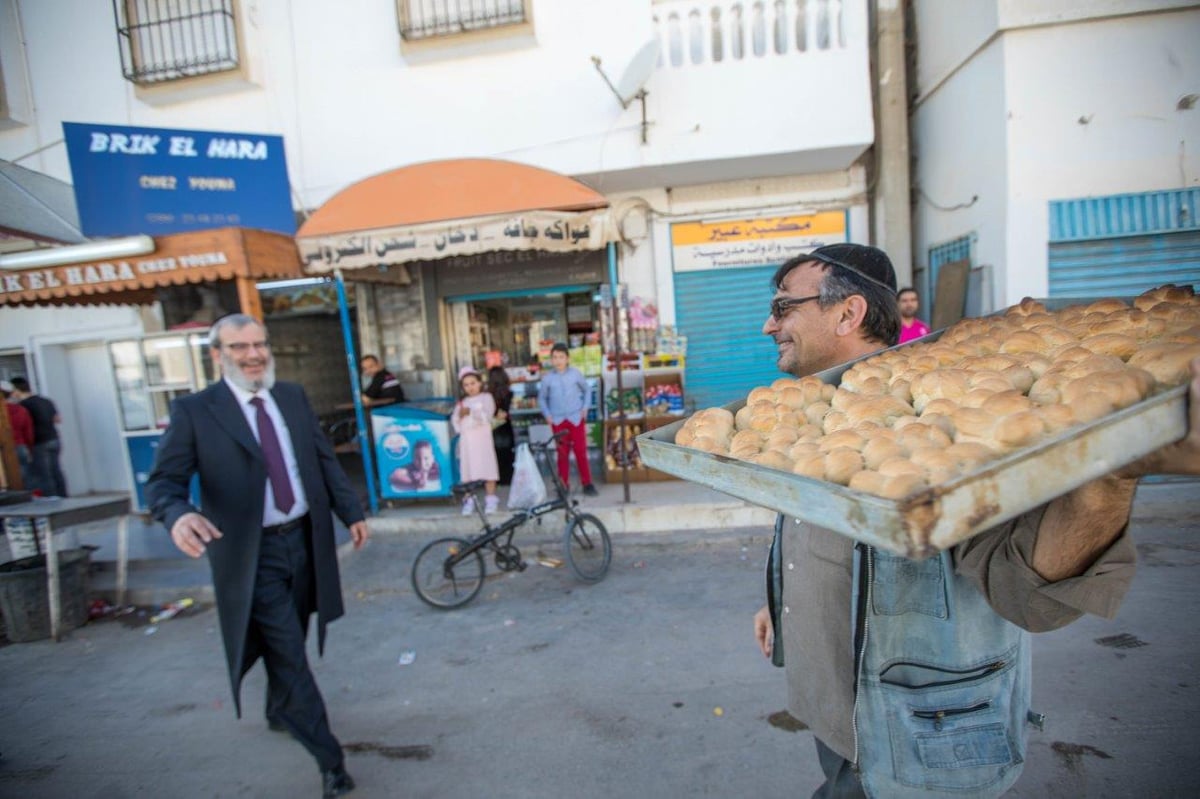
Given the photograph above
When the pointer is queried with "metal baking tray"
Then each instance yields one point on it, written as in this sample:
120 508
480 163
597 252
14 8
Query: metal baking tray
940 516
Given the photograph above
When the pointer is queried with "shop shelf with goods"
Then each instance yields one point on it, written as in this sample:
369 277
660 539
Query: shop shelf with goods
663 386
616 452
629 397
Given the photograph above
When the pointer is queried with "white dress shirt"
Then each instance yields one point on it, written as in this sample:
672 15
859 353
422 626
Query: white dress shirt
271 514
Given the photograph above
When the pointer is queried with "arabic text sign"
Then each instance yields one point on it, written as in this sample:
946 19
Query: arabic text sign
156 180
752 242
550 231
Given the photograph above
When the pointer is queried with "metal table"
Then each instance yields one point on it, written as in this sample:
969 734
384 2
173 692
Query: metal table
64 512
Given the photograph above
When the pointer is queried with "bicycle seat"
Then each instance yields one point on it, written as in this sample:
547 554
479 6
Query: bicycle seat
468 488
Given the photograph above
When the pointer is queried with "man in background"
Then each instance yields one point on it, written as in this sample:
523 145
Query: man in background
910 326
21 424
383 388
44 470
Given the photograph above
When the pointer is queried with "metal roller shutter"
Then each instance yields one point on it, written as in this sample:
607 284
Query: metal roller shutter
1125 244
722 314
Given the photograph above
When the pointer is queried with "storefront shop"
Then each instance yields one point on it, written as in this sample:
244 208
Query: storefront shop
499 260
113 387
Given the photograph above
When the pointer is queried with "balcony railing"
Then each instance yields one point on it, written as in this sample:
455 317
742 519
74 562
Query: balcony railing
692 32
425 19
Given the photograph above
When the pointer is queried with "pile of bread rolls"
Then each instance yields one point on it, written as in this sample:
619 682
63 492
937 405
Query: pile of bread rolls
925 413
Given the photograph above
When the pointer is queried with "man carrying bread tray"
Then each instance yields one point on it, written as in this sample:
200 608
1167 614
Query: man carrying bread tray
914 676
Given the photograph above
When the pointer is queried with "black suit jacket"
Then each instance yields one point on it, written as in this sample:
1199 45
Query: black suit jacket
209 436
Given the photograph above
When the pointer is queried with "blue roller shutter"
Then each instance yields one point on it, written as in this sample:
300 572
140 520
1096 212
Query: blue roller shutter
722 314
1124 244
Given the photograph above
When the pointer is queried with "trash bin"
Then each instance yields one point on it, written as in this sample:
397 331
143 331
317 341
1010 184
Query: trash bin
25 599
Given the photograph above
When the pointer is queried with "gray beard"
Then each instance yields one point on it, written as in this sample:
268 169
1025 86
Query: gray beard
234 375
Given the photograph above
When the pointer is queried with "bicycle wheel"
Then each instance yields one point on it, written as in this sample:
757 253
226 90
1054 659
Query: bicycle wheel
587 547
444 586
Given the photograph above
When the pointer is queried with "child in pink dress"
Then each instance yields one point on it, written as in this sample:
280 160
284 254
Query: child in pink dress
472 420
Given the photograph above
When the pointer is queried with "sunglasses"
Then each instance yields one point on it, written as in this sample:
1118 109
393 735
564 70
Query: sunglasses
781 305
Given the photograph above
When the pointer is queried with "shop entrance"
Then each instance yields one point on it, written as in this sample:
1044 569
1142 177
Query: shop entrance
517 329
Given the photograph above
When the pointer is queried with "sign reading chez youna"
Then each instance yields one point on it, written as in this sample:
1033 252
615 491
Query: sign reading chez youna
131 180
119 274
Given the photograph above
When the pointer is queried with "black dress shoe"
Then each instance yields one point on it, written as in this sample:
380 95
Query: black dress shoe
590 490
275 725
336 782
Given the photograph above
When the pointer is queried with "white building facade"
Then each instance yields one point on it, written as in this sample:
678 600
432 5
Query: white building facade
753 112
1058 146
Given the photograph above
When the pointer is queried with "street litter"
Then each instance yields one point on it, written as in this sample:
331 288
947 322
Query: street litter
406 658
509 622
150 631
98 609
172 610
549 562
718 712
641 564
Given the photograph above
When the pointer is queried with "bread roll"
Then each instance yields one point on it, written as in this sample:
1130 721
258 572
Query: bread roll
879 450
1018 430
815 412
1168 364
841 464
772 460
841 438
1055 417
969 455
810 466
1006 402
834 421
1024 341
1116 344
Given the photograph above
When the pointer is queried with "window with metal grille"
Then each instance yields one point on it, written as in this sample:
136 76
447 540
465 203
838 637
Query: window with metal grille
164 40
426 19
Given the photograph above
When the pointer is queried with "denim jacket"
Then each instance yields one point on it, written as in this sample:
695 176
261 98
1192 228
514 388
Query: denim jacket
943 685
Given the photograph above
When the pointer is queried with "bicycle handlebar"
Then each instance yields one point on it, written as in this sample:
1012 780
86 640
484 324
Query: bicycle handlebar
554 439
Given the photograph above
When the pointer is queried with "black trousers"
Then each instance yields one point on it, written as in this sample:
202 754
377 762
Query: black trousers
282 589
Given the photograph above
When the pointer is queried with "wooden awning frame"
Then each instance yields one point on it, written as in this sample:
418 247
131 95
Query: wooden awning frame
205 256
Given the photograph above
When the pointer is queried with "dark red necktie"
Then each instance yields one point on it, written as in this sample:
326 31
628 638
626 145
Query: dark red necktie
281 486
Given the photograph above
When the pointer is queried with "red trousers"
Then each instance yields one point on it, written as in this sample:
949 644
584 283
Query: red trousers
577 442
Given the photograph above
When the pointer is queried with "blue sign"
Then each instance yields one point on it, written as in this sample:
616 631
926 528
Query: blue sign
412 452
156 180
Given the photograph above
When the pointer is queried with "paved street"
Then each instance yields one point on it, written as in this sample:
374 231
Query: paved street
644 685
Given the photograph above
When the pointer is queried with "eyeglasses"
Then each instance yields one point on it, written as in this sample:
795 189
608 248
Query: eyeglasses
239 347
781 305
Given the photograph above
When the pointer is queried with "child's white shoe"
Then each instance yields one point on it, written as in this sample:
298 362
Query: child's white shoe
491 504
468 506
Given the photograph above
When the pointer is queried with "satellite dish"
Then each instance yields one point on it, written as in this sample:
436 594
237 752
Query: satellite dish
631 85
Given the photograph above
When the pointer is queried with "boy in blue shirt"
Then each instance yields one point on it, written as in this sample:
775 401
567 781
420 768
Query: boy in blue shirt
564 398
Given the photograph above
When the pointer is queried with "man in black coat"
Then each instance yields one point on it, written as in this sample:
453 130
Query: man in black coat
269 481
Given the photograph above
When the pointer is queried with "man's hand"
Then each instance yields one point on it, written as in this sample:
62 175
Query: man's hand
359 534
191 532
1182 457
763 632
1079 526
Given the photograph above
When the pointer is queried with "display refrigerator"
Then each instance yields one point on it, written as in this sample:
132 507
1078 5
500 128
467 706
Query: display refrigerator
149 372
413 447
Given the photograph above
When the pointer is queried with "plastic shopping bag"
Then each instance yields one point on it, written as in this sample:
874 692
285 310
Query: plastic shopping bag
528 487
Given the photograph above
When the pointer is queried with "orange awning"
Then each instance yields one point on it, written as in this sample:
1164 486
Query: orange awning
441 209
440 191
204 256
